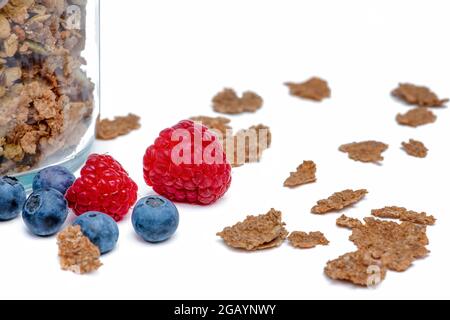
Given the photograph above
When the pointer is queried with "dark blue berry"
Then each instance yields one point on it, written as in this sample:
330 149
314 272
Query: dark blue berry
45 212
155 219
12 198
57 177
100 228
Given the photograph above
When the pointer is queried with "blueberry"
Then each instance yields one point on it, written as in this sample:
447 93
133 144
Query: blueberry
45 212
100 228
56 177
155 219
12 198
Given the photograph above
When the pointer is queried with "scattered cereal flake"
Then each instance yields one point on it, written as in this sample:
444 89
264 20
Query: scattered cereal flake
247 146
404 214
418 95
120 126
228 102
396 245
339 201
76 252
416 117
315 89
218 124
306 173
347 222
415 148
357 267
303 240
367 151
256 232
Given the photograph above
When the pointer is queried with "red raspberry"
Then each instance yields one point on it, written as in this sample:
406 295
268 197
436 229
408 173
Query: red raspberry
103 186
198 180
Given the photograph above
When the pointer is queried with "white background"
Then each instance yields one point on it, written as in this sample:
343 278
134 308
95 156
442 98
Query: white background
164 60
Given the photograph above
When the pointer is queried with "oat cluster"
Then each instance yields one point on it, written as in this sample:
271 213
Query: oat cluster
405 215
76 252
119 126
339 201
367 151
418 95
303 240
315 89
46 98
228 102
416 117
306 173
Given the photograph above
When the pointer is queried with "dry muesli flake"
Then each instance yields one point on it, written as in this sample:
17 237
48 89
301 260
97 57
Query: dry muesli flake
218 124
358 268
306 173
347 222
248 146
315 89
416 117
303 240
418 95
119 126
228 102
396 245
76 252
256 232
415 148
404 214
367 151
339 201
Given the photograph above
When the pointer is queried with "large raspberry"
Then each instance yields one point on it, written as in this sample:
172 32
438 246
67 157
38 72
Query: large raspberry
104 186
179 165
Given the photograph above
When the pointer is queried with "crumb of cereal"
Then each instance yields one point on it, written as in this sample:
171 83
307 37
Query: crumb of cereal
418 95
306 173
339 201
315 89
218 124
303 240
228 102
358 268
76 252
256 232
347 222
404 214
396 245
415 148
120 126
367 151
416 117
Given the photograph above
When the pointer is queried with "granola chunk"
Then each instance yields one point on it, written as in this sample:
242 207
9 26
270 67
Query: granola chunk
315 89
347 222
218 124
306 173
76 252
416 117
358 268
418 95
256 232
228 102
367 151
404 214
303 240
339 201
415 148
120 126
396 245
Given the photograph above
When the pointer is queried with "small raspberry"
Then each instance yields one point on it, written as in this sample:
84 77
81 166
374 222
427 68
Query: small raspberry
201 178
103 186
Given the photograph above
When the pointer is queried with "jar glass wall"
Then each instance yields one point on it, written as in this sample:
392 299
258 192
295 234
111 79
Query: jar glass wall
49 84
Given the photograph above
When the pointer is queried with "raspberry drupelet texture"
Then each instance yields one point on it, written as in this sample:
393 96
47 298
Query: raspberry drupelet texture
103 186
199 180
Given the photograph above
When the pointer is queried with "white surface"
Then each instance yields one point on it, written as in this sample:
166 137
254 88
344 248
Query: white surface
165 60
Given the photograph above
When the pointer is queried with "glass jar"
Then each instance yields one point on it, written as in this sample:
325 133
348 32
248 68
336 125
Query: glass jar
49 77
